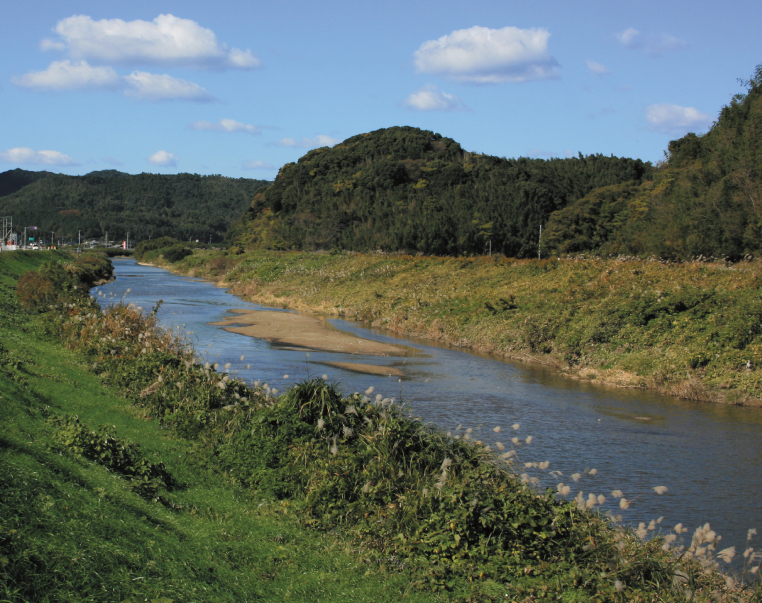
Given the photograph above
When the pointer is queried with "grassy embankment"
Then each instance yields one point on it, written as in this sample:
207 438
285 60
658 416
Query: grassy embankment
209 508
88 517
683 329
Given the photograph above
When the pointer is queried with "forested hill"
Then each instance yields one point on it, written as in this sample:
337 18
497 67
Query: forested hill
705 200
145 205
403 188
14 180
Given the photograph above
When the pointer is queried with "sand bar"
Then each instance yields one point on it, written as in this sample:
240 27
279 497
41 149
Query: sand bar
369 369
303 332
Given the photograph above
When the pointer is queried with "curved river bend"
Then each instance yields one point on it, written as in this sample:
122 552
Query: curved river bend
708 456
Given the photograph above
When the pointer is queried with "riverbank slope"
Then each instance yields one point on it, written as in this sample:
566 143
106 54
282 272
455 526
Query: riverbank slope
100 503
684 329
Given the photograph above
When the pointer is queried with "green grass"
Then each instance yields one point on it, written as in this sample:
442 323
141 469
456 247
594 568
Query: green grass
71 530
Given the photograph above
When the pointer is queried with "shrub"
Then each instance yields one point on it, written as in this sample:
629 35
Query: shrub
177 253
118 455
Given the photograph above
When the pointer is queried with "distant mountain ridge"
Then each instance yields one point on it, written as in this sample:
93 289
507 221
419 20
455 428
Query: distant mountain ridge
184 206
14 180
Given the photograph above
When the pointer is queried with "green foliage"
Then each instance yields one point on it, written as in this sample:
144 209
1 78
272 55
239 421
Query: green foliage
77 531
154 244
408 189
62 282
705 200
147 479
175 254
14 180
185 206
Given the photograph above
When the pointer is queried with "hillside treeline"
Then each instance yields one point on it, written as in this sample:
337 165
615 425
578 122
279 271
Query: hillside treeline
706 199
403 188
184 206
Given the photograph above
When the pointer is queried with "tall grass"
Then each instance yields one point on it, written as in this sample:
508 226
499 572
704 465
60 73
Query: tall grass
456 515
78 521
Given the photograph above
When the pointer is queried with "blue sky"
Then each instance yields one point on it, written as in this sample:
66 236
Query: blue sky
241 88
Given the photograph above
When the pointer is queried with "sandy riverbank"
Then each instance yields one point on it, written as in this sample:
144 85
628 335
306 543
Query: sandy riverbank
297 331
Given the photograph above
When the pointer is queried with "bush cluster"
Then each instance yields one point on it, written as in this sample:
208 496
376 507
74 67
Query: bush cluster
55 281
105 448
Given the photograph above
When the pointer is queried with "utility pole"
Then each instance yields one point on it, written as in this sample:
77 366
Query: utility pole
79 241
539 243
7 230
210 239
53 238
127 242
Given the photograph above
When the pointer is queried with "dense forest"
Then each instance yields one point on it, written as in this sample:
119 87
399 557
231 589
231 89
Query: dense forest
184 206
706 199
403 188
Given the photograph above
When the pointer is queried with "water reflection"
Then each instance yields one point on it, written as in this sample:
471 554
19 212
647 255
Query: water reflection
708 456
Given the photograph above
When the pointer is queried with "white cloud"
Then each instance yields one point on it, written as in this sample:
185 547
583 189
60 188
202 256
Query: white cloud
480 55
226 125
429 98
168 41
163 159
65 75
321 140
27 156
257 165
154 87
597 68
674 119
652 44
630 37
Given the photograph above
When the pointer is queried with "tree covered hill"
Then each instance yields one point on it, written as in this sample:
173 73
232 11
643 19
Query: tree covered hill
706 199
14 180
145 205
403 188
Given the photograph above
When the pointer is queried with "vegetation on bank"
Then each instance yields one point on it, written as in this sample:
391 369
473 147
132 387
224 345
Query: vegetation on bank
693 330
147 206
422 511
100 503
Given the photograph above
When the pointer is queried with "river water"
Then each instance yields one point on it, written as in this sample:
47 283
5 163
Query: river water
708 456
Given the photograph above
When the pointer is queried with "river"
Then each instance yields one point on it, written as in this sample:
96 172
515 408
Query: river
708 456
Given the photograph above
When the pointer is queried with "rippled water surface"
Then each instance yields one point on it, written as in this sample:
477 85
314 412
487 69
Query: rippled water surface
709 457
